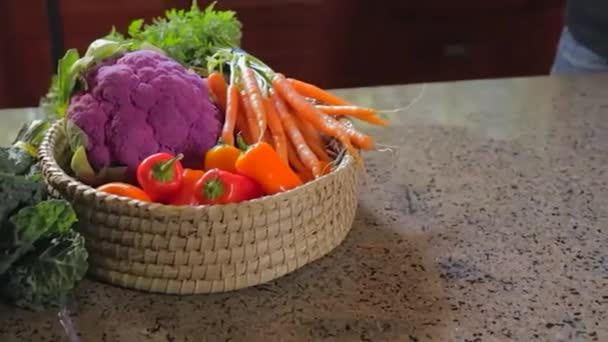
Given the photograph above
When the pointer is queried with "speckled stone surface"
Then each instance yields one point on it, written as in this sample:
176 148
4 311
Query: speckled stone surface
483 218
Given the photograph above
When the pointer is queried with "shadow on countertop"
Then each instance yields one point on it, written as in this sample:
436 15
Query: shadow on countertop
376 286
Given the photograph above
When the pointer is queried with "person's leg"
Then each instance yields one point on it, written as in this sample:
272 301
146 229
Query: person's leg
572 57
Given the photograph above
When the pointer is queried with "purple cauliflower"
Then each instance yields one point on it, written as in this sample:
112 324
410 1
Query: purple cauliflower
144 103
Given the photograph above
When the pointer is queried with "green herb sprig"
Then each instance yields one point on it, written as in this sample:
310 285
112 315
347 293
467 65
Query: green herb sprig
190 36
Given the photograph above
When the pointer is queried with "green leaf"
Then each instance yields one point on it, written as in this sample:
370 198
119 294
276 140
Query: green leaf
30 136
32 223
18 192
47 217
15 160
135 27
32 132
71 68
54 103
75 135
22 155
43 279
82 169
65 78
190 36
101 49
114 35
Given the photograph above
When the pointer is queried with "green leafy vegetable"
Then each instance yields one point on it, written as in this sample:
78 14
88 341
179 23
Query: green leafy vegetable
44 278
15 160
56 101
21 156
189 36
30 224
135 27
66 78
41 256
18 192
76 136
32 133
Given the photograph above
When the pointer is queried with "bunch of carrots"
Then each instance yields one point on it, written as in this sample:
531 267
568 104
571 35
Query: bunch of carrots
294 117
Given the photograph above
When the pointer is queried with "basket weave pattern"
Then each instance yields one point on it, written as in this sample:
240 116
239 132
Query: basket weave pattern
204 249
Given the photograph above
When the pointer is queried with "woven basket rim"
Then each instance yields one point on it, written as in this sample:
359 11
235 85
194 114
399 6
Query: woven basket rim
51 166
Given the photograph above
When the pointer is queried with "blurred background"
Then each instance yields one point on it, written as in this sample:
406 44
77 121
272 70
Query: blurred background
333 43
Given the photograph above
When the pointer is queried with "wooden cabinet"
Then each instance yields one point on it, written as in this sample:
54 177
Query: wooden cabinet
28 62
4 89
25 62
299 37
334 43
451 8
464 40
85 20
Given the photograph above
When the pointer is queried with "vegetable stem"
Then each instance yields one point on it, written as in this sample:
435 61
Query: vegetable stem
213 188
240 142
164 170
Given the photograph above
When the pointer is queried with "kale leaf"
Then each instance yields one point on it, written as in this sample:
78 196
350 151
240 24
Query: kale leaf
43 279
18 192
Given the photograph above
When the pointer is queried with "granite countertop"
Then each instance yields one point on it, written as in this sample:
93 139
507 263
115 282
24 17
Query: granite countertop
482 219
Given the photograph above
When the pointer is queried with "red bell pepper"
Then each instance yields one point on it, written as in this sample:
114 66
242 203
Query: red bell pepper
222 187
160 175
185 195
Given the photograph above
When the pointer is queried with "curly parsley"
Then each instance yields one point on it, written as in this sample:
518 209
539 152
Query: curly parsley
190 37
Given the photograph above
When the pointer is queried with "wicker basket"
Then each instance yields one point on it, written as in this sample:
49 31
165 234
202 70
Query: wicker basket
204 249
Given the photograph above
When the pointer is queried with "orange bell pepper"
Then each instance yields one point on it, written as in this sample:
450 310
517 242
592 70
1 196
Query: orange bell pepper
264 165
222 157
125 190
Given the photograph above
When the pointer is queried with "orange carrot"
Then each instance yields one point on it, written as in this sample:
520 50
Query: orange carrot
361 113
232 109
218 88
242 123
308 112
276 130
305 154
295 162
243 129
362 141
254 96
267 138
314 140
325 167
314 92
249 114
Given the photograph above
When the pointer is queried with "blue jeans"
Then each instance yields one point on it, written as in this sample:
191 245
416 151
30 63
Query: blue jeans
573 58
